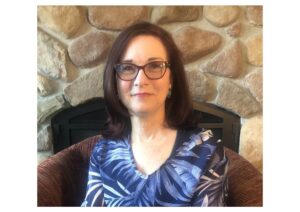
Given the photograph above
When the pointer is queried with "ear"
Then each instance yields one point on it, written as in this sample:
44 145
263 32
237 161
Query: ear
171 81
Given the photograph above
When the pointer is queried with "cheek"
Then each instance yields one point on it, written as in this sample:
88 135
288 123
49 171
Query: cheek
166 85
123 88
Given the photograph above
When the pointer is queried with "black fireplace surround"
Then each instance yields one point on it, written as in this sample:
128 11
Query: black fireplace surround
74 124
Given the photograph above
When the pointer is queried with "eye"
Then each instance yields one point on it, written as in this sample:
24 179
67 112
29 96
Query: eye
127 68
155 65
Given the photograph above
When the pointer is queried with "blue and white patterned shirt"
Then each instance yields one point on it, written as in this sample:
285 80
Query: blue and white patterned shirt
193 175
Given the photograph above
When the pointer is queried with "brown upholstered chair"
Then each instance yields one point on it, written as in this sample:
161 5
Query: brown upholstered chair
62 178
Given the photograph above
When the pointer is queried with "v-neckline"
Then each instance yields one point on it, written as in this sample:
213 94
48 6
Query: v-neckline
134 164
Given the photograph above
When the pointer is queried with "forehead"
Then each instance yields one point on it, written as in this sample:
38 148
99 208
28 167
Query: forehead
143 47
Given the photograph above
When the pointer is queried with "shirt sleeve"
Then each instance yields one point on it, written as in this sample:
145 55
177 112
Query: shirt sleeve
94 191
213 184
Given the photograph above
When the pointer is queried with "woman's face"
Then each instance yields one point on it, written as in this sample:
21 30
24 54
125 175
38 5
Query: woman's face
143 96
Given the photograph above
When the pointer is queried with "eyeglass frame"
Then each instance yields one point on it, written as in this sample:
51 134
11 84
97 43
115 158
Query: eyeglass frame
166 64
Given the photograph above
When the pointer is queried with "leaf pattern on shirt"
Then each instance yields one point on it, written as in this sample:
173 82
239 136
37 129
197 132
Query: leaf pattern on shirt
183 180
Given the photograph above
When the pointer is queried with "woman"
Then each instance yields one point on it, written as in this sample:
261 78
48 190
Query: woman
152 153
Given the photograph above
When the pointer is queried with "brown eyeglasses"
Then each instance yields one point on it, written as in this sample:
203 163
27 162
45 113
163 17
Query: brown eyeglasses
153 70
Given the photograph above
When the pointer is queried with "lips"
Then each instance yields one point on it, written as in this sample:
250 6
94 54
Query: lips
142 94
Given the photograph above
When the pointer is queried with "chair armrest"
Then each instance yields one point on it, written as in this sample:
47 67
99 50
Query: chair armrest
62 177
245 181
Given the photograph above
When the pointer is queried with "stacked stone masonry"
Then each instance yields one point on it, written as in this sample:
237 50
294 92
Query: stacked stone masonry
221 48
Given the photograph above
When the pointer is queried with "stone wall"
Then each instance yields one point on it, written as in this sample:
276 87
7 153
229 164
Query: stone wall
221 45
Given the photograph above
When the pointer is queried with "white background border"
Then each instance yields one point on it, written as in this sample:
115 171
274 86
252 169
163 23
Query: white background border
19 94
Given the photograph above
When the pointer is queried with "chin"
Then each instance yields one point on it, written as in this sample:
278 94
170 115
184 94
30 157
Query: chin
141 111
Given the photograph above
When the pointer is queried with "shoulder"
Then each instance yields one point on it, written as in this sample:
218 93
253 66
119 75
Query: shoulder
208 142
202 135
211 139
101 143
104 145
205 143
199 147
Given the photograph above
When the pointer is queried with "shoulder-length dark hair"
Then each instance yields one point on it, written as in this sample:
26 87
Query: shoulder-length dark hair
178 106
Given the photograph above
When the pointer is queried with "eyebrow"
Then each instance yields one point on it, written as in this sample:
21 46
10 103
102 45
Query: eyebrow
149 59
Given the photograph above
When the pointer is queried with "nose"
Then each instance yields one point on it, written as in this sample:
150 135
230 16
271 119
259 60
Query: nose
141 78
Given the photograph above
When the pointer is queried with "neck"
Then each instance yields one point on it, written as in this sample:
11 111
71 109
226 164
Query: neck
146 129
